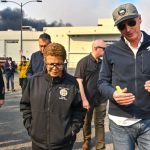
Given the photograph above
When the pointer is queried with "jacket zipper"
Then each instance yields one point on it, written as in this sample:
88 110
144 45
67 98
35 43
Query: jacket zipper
135 76
48 114
135 69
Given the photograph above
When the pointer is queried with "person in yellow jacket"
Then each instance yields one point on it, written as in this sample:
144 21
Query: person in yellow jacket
22 68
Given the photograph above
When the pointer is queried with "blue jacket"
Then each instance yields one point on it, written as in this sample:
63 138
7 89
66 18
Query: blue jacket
36 64
121 67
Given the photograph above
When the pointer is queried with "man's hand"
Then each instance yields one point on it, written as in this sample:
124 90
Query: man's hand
85 104
1 102
123 98
147 85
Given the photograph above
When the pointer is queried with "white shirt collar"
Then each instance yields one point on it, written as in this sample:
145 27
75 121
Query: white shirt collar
139 44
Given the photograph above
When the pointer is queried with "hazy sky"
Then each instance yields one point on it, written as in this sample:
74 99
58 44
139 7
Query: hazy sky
79 12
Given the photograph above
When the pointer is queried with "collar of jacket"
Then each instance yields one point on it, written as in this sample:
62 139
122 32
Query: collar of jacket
146 38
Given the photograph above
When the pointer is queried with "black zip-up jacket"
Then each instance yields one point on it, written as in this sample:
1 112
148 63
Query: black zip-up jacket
52 109
121 67
2 88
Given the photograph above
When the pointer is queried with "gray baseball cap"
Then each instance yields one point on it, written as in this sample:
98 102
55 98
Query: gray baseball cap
124 12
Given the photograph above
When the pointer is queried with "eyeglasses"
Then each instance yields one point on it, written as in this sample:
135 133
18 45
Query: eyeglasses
58 66
130 23
100 47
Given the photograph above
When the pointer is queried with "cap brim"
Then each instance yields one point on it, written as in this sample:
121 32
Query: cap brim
125 18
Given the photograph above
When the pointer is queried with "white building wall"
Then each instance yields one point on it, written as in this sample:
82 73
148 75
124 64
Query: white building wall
81 45
30 47
76 40
10 43
12 50
2 54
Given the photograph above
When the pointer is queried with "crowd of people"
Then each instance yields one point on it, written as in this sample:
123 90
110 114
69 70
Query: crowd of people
56 105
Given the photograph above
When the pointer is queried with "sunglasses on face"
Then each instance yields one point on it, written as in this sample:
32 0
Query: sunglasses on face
58 66
100 47
130 23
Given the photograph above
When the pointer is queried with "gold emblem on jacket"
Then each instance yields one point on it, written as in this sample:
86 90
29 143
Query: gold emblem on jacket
63 92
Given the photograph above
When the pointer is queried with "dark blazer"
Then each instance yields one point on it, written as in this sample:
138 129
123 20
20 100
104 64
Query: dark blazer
36 64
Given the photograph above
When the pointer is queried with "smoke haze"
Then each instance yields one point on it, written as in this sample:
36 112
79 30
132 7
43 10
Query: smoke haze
79 12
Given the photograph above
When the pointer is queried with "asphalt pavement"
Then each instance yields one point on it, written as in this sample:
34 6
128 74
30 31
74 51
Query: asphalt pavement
13 135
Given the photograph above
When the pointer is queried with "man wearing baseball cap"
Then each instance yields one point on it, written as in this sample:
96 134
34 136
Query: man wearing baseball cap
125 80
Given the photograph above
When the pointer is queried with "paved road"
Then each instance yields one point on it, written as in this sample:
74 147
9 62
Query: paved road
13 136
